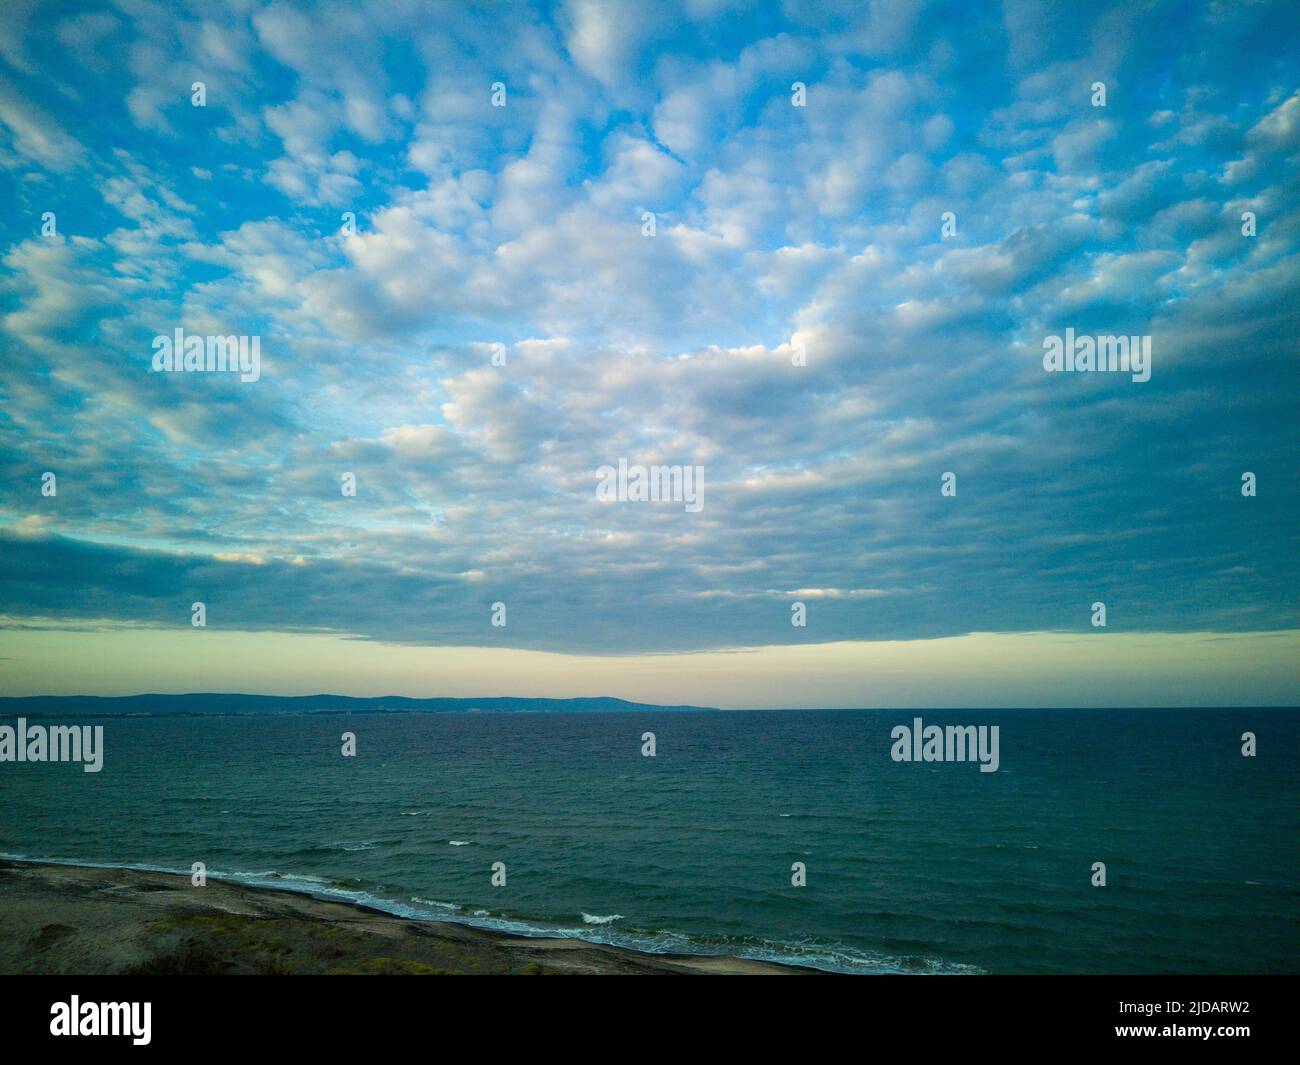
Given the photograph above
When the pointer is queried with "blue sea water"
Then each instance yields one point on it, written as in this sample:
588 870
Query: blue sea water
911 867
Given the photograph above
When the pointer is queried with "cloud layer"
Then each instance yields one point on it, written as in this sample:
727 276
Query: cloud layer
500 325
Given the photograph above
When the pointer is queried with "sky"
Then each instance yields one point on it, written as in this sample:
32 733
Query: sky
812 251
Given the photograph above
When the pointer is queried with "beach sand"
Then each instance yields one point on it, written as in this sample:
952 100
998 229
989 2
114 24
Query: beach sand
80 920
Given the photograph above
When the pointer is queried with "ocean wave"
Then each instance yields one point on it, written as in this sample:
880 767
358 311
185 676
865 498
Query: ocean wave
449 907
810 954
595 918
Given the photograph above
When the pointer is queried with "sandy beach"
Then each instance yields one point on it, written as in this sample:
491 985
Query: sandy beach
65 919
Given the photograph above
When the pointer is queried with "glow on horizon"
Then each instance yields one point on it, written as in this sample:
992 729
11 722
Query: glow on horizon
987 670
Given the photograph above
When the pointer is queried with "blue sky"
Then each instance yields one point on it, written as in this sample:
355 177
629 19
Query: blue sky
778 229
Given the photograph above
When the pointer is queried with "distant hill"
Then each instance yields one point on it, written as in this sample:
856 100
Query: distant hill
215 703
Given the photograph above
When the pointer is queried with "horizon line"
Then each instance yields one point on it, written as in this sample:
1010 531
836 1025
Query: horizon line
651 706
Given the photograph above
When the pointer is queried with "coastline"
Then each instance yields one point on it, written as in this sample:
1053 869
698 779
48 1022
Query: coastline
94 920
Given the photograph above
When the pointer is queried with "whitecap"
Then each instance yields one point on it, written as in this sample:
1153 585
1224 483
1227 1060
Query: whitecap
595 918
434 903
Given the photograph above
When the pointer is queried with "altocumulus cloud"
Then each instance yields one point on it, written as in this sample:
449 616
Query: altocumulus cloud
780 233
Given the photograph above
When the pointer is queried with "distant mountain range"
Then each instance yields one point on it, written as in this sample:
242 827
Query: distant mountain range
215 703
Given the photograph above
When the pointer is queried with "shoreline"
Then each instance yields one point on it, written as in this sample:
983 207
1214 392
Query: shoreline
67 919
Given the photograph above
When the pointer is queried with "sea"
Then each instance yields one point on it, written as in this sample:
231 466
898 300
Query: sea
790 836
